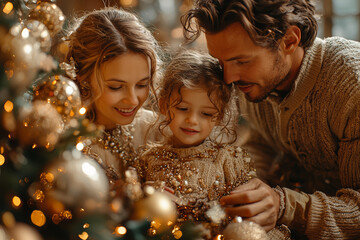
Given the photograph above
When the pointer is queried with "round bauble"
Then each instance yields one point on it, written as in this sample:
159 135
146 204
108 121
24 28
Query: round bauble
50 15
244 231
22 231
76 183
61 92
156 208
39 124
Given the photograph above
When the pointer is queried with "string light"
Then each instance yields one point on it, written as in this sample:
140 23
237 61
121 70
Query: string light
8 7
8 106
38 218
82 111
16 201
2 160
84 236
80 146
120 230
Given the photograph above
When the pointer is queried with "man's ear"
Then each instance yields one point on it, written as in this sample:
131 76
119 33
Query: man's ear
291 39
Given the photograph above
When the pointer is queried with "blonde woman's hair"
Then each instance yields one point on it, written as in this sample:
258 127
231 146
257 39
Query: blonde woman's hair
102 35
193 69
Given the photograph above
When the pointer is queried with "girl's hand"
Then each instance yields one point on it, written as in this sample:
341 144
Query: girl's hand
254 201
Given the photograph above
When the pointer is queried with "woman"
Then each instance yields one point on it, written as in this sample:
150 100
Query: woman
116 61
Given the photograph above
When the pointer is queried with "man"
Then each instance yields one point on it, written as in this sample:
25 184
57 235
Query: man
301 97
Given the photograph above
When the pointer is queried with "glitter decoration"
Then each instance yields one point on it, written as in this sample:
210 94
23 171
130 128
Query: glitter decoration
62 93
244 230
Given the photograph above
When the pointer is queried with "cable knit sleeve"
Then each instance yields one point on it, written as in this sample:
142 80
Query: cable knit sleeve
333 217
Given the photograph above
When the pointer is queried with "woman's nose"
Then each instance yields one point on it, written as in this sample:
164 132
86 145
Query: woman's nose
131 98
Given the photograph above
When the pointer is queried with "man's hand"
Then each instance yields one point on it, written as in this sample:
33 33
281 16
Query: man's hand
254 201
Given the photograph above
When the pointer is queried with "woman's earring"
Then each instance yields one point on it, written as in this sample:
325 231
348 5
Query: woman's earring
85 89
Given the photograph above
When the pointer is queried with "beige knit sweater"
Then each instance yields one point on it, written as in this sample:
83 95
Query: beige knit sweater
316 127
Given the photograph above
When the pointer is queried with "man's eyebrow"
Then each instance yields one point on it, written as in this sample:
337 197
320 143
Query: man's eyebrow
241 56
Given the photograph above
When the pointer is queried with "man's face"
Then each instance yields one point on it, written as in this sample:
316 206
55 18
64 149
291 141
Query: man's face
255 70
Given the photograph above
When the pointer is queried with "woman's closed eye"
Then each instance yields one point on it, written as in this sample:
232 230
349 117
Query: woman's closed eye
115 87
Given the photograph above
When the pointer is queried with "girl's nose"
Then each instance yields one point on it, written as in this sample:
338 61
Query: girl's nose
191 118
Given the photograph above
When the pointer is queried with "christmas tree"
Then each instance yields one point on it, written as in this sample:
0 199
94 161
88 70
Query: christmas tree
48 188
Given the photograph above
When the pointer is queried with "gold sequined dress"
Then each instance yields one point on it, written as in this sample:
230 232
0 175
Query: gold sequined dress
117 148
199 175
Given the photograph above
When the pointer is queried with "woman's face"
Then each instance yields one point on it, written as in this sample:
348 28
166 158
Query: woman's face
126 87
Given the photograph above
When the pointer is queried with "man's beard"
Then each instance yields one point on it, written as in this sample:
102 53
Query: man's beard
281 72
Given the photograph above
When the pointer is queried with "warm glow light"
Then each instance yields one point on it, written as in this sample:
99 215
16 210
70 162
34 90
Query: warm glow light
16 201
219 237
177 234
8 219
49 177
38 218
86 225
84 236
67 214
27 48
2 159
90 171
126 3
8 8
25 33
82 111
80 146
34 146
121 230
8 106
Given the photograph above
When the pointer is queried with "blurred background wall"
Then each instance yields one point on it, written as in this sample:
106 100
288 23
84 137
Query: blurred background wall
336 17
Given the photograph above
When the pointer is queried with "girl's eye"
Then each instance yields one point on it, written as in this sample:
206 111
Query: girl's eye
208 114
143 85
181 108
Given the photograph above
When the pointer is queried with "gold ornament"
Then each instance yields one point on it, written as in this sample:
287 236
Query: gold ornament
157 208
62 93
50 15
40 124
22 231
244 230
21 49
73 184
4 235
40 32
33 3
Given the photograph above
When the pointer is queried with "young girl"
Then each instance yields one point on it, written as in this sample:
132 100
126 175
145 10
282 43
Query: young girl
192 160
195 160
116 61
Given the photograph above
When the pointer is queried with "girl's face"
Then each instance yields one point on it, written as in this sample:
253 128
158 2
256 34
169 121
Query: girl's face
126 88
193 119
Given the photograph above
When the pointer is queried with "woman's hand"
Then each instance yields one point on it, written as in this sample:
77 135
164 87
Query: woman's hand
254 201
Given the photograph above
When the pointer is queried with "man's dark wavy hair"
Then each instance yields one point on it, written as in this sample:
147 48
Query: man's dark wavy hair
266 21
